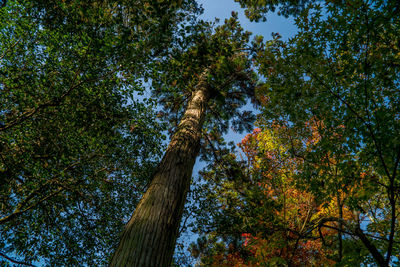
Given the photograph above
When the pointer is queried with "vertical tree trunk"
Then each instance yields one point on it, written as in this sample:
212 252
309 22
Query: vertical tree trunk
150 235
340 238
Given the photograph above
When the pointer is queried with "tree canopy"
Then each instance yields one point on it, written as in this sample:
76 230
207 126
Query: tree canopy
77 144
330 116
90 91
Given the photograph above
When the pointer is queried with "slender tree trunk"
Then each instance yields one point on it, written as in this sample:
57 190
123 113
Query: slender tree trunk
340 238
150 235
380 260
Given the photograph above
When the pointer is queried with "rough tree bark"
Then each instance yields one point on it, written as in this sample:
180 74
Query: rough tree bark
150 235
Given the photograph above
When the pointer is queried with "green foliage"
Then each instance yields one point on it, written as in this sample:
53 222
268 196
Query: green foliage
257 9
78 141
342 70
77 144
223 52
334 90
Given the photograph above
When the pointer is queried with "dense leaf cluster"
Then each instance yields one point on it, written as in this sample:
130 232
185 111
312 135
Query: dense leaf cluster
77 143
334 88
79 139
223 52
257 10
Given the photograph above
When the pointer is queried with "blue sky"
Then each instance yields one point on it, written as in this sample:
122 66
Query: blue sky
222 9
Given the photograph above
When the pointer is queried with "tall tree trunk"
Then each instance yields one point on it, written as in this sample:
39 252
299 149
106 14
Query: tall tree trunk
340 238
150 235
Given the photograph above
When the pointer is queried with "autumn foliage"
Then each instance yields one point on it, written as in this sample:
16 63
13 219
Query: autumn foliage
291 225
296 242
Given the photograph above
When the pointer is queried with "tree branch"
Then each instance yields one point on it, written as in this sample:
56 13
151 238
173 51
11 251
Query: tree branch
15 261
